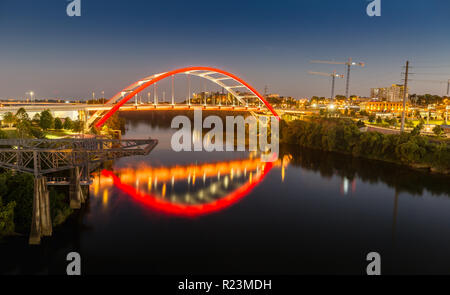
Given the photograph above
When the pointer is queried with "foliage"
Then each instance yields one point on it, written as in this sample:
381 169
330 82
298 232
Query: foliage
68 123
9 118
364 113
6 218
58 124
36 132
343 135
426 99
409 123
77 126
46 120
22 115
18 188
392 121
360 124
379 120
438 130
59 207
36 118
115 123
3 134
417 129
17 191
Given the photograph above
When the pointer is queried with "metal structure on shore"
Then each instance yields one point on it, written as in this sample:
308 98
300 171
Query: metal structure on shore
78 156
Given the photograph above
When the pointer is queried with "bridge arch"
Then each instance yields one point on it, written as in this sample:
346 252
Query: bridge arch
189 210
214 75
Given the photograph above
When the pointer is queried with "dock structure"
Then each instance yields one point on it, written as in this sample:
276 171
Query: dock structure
40 157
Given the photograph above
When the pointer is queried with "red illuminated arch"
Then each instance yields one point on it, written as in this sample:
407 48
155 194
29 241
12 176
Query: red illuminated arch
167 207
140 85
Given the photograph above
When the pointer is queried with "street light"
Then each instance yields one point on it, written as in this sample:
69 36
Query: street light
31 93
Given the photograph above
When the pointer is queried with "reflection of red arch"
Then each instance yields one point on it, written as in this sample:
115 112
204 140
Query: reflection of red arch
189 210
162 76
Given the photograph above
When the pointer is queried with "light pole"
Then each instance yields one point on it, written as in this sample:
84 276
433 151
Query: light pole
31 93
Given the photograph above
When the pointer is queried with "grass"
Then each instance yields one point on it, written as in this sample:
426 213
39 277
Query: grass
55 134
50 134
10 132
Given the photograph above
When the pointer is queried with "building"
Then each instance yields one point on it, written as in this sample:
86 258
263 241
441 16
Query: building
272 95
384 106
392 94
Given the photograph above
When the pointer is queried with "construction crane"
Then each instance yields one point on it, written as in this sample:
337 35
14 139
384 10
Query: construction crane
348 63
333 77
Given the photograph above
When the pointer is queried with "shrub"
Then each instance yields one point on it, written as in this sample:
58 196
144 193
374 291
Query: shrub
58 124
6 218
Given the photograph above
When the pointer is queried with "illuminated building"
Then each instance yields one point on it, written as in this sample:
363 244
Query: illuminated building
391 94
385 106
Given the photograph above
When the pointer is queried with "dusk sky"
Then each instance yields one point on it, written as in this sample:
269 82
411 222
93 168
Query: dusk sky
114 43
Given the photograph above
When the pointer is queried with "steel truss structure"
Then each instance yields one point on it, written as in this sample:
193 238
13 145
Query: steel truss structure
43 156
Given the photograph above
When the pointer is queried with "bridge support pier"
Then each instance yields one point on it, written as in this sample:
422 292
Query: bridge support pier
75 192
41 223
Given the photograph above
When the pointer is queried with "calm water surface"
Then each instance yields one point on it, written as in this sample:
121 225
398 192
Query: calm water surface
311 212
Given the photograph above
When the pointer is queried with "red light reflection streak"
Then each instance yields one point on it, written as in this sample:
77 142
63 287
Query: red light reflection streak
165 206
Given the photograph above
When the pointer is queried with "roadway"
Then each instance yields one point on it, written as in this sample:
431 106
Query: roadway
39 107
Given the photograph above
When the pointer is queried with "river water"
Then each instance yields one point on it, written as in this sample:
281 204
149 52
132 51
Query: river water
228 213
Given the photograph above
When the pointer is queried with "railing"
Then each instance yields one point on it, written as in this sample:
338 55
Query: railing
42 156
65 181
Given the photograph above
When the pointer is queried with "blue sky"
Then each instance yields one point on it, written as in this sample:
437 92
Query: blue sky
269 43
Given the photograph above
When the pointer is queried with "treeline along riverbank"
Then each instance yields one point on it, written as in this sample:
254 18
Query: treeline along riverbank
345 136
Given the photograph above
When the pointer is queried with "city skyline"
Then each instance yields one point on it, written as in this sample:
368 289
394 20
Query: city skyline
115 43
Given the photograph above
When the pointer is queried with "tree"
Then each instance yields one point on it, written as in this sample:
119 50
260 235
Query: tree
77 126
46 120
68 123
416 130
116 123
7 218
393 121
22 115
371 118
438 130
379 120
409 123
24 128
363 113
58 124
10 119
360 124
346 112
36 118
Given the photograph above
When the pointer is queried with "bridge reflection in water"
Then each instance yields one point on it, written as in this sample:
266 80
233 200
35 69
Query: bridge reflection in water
190 190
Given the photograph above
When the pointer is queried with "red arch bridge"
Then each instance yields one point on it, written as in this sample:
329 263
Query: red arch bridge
245 96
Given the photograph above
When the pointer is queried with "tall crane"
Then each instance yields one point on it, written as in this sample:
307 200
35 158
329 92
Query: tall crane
333 77
348 63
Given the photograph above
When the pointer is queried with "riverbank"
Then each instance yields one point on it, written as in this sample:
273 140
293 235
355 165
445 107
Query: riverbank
16 204
17 189
344 136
